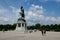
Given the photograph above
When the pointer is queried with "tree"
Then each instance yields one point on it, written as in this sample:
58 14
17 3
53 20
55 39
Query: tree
47 27
51 27
37 26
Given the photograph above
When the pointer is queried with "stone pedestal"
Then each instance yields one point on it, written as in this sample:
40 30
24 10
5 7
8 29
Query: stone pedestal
21 25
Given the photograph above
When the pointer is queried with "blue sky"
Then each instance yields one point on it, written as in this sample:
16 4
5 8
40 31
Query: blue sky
36 11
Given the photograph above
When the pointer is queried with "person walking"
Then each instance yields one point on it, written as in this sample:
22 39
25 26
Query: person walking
43 31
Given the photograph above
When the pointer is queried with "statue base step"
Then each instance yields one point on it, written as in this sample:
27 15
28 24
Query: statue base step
20 29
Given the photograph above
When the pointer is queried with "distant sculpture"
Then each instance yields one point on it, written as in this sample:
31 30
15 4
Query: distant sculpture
22 12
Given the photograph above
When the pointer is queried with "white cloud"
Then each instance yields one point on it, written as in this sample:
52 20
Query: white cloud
53 19
15 11
43 0
49 0
36 9
26 0
4 19
57 0
33 16
8 16
3 11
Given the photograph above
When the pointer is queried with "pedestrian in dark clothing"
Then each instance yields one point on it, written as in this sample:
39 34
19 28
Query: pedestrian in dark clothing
43 31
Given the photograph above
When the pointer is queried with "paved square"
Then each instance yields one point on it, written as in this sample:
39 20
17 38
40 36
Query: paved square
17 35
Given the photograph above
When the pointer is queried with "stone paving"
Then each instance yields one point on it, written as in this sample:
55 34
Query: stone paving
17 35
